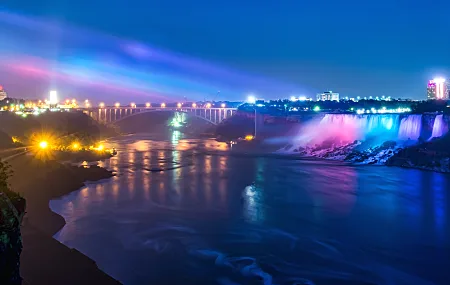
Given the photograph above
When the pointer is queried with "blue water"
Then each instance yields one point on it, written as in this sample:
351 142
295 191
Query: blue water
220 217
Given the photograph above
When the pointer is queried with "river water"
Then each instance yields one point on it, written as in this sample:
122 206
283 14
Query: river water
215 216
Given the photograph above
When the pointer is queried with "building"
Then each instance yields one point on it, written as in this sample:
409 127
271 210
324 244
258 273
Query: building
328 96
437 88
3 94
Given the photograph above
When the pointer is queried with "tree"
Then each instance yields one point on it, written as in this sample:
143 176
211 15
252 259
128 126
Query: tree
12 209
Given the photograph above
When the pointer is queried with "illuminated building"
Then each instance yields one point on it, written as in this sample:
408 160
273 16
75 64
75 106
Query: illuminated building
328 96
437 89
3 94
53 100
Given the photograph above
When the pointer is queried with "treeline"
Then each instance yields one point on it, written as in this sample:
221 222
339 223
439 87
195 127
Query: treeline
57 125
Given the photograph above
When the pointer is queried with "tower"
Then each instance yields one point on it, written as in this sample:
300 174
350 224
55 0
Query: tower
437 89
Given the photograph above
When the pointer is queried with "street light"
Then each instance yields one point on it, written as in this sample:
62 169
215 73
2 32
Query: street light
208 105
147 105
251 99
222 105
117 105
133 105
179 105
194 105
163 105
101 105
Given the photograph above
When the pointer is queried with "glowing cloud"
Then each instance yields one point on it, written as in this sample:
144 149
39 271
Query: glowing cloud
86 64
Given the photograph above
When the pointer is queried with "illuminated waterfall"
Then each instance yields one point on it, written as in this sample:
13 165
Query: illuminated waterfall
373 129
410 127
346 128
439 127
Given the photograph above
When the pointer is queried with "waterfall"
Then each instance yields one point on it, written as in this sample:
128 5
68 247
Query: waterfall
439 127
410 127
346 128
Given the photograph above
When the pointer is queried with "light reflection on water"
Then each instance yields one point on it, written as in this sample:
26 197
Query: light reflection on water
183 211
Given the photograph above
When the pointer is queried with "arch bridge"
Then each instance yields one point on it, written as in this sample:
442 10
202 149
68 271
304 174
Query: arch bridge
110 115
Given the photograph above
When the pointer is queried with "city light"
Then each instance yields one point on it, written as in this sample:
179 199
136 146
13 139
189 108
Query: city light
316 108
163 105
222 105
293 98
53 97
440 88
194 105
383 110
251 99
302 98
148 105
117 105
75 146
179 105
101 105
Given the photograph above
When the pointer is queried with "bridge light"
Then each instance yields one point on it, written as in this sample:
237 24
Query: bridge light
133 105
222 105
208 105
117 105
101 105
179 105
194 105
148 105
163 105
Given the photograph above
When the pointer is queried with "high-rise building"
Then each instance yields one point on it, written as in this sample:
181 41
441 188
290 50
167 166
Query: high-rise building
3 94
328 96
437 89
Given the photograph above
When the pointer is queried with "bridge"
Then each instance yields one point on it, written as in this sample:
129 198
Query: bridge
110 115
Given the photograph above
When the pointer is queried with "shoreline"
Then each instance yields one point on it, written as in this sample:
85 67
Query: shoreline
44 260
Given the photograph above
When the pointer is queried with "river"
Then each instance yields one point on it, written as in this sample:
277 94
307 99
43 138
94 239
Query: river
215 216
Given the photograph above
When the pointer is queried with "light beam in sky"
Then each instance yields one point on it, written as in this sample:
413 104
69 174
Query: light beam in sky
37 56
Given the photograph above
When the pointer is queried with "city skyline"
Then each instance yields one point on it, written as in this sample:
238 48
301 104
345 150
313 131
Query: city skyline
296 64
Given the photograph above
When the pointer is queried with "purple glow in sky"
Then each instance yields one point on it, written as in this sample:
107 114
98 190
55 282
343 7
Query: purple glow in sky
38 56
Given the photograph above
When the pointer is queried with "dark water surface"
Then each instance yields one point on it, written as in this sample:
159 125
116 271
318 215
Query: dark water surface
216 218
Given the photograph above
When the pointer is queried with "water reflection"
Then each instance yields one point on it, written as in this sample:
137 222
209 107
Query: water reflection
339 194
209 216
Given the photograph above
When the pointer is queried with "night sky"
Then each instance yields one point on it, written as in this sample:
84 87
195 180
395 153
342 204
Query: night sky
161 49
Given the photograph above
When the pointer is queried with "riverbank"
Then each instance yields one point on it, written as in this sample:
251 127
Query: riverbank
44 260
